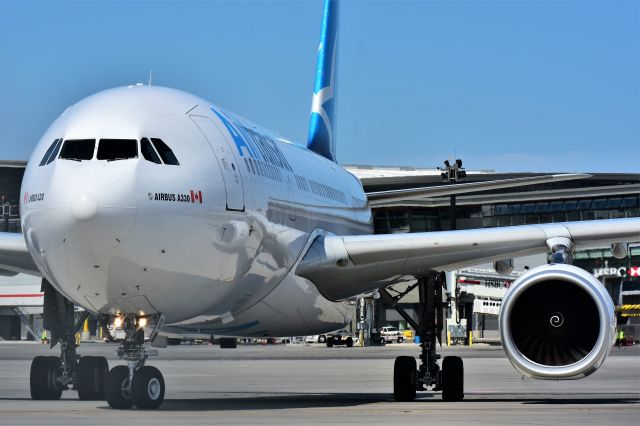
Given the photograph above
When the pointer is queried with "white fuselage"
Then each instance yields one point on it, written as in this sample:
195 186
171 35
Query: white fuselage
209 243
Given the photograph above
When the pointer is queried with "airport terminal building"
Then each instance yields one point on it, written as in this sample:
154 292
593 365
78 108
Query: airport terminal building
473 295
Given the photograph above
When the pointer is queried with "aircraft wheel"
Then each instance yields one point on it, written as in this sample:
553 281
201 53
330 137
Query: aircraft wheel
117 388
404 378
147 389
452 379
330 341
91 375
349 342
43 379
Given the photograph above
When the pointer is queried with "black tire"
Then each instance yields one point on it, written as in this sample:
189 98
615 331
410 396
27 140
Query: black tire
349 342
147 389
228 343
400 339
91 375
117 389
43 378
452 378
330 341
404 378
322 338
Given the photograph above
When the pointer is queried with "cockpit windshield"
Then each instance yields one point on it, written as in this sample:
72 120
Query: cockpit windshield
111 150
78 149
117 149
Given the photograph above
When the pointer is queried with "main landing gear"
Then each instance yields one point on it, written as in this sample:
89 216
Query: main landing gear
407 376
50 375
135 384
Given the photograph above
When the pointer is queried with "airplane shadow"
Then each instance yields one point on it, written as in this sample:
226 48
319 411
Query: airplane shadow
274 402
337 400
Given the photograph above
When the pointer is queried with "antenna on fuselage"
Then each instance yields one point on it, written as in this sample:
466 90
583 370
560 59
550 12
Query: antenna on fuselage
150 76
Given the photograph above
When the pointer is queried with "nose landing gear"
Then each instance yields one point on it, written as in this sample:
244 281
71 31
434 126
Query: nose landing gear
135 383
123 386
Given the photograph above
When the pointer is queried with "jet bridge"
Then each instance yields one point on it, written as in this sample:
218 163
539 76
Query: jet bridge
20 300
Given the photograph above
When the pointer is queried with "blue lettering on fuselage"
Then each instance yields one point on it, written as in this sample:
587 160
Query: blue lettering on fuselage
239 141
252 143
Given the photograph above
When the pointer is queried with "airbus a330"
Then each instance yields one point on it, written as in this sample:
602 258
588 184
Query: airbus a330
151 206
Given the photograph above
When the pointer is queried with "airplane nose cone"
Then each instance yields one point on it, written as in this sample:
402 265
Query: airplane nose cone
84 207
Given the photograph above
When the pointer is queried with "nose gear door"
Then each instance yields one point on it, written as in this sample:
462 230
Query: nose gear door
227 161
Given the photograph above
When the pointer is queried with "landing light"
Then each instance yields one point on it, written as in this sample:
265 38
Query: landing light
117 322
142 322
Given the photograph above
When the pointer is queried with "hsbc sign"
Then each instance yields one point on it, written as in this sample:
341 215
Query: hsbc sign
632 271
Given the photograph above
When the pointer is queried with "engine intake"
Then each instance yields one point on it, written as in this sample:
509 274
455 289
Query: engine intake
557 322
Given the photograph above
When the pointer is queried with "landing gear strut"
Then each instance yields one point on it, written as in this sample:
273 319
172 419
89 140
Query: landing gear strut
135 384
50 375
123 386
407 377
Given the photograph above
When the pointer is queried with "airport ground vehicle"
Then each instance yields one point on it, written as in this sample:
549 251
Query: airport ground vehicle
340 338
391 334
318 338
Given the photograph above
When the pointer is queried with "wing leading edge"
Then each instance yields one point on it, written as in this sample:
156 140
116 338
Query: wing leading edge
345 266
14 256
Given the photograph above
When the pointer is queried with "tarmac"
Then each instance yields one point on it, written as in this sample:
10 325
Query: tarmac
312 384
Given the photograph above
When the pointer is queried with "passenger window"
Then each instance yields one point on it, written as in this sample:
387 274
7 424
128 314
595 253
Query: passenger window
165 152
78 149
148 152
117 149
48 153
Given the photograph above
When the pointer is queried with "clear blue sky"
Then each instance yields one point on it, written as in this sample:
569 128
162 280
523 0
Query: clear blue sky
507 85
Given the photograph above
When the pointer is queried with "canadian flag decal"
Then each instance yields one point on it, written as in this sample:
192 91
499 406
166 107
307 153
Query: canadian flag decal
196 196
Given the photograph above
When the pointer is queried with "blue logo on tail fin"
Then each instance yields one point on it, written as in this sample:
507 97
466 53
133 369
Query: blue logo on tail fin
322 126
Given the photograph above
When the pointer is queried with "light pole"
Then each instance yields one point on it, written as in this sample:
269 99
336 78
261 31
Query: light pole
452 174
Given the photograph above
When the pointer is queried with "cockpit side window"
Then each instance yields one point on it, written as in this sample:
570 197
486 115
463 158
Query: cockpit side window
165 152
117 149
78 149
148 152
48 153
56 149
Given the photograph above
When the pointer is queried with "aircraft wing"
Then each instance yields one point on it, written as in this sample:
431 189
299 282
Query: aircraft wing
345 266
382 197
14 256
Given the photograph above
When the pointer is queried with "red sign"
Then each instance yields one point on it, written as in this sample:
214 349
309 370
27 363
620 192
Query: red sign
634 271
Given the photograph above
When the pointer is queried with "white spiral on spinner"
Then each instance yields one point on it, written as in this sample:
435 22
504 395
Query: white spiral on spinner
556 320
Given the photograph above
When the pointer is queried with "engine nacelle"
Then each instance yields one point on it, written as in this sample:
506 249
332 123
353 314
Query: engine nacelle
557 322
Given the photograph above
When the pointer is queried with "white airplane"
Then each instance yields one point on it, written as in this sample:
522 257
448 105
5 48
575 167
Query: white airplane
148 205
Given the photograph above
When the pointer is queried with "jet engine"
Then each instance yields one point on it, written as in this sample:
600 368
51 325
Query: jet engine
557 322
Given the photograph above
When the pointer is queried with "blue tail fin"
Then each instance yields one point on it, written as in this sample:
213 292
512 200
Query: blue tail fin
322 127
